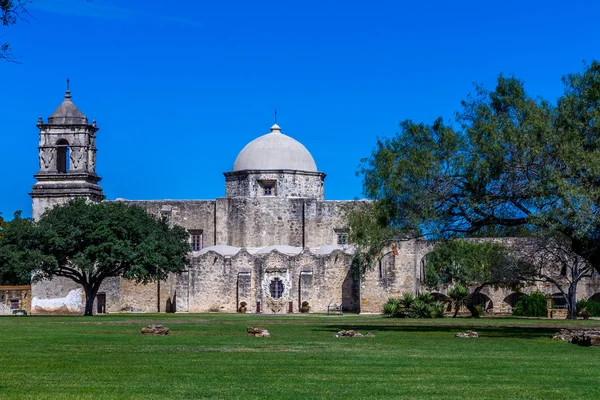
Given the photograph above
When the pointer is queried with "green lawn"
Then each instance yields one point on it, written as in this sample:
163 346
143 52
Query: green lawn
210 356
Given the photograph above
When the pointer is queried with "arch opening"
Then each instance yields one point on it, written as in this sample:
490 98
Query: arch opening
63 156
595 297
513 298
484 301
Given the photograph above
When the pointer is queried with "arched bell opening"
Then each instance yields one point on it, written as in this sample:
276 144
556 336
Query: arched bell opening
62 156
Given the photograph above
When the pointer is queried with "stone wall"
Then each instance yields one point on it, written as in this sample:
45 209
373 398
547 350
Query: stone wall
63 296
394 275
18 295
287 184
189 214
220 283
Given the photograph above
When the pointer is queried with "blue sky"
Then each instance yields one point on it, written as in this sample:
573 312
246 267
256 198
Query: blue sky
178 89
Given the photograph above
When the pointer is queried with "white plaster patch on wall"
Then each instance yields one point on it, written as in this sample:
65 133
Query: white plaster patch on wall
72 302
5 310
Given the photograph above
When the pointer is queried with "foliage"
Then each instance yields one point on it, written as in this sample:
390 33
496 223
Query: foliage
88 243
438 309
472 263
10 12
592 307
460 297
15 264
305 307
512 164
533 305
409 306
406 300
390 308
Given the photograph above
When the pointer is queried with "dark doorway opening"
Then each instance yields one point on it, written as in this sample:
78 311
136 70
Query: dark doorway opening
101 303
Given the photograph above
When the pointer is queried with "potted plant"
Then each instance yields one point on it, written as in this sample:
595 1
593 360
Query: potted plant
305 307
585 314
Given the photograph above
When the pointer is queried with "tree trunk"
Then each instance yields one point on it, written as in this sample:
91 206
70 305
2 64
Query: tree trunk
474 312
456 307
572 301
90 295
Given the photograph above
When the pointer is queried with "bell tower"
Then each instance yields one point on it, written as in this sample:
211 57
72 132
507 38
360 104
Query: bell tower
67 155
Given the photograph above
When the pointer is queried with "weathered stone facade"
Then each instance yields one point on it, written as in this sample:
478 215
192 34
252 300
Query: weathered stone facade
272 242
15 298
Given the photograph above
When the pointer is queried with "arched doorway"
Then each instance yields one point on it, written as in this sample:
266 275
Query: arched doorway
484 301
513 298
595 297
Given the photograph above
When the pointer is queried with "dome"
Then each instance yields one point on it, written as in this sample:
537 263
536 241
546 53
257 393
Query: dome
274 151
67 113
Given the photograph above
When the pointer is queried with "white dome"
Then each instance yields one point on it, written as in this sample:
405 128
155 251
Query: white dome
274 151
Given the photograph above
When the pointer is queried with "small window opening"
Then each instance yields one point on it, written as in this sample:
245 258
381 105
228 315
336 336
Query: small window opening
196 240
63 156
14 304
342 238
267 187
276 288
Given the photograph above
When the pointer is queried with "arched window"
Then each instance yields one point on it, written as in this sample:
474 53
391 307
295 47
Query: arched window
276 288
62 156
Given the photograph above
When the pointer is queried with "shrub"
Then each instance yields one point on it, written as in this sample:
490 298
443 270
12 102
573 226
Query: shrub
423 306
390 309
426 298
305 307
533 305
593 307
437 309
406 300
419 309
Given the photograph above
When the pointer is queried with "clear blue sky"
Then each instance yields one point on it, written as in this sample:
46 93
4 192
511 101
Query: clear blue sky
178 88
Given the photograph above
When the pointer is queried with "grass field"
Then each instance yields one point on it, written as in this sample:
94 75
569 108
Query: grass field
210 356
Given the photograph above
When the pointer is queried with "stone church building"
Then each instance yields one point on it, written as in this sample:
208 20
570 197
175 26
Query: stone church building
272 242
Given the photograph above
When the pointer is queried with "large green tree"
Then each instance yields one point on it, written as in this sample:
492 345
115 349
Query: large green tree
13 259
510 162
91 242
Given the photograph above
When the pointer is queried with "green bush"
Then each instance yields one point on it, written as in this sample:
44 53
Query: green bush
390 309
406 300
533 305
419 309
437 309
593 307
426 298
423 306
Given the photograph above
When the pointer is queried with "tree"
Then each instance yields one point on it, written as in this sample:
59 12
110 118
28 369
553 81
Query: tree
554 262
10 12
88 243
511 163
462 263
14 261
459 296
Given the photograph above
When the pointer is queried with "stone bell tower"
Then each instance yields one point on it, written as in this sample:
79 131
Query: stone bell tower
67 155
